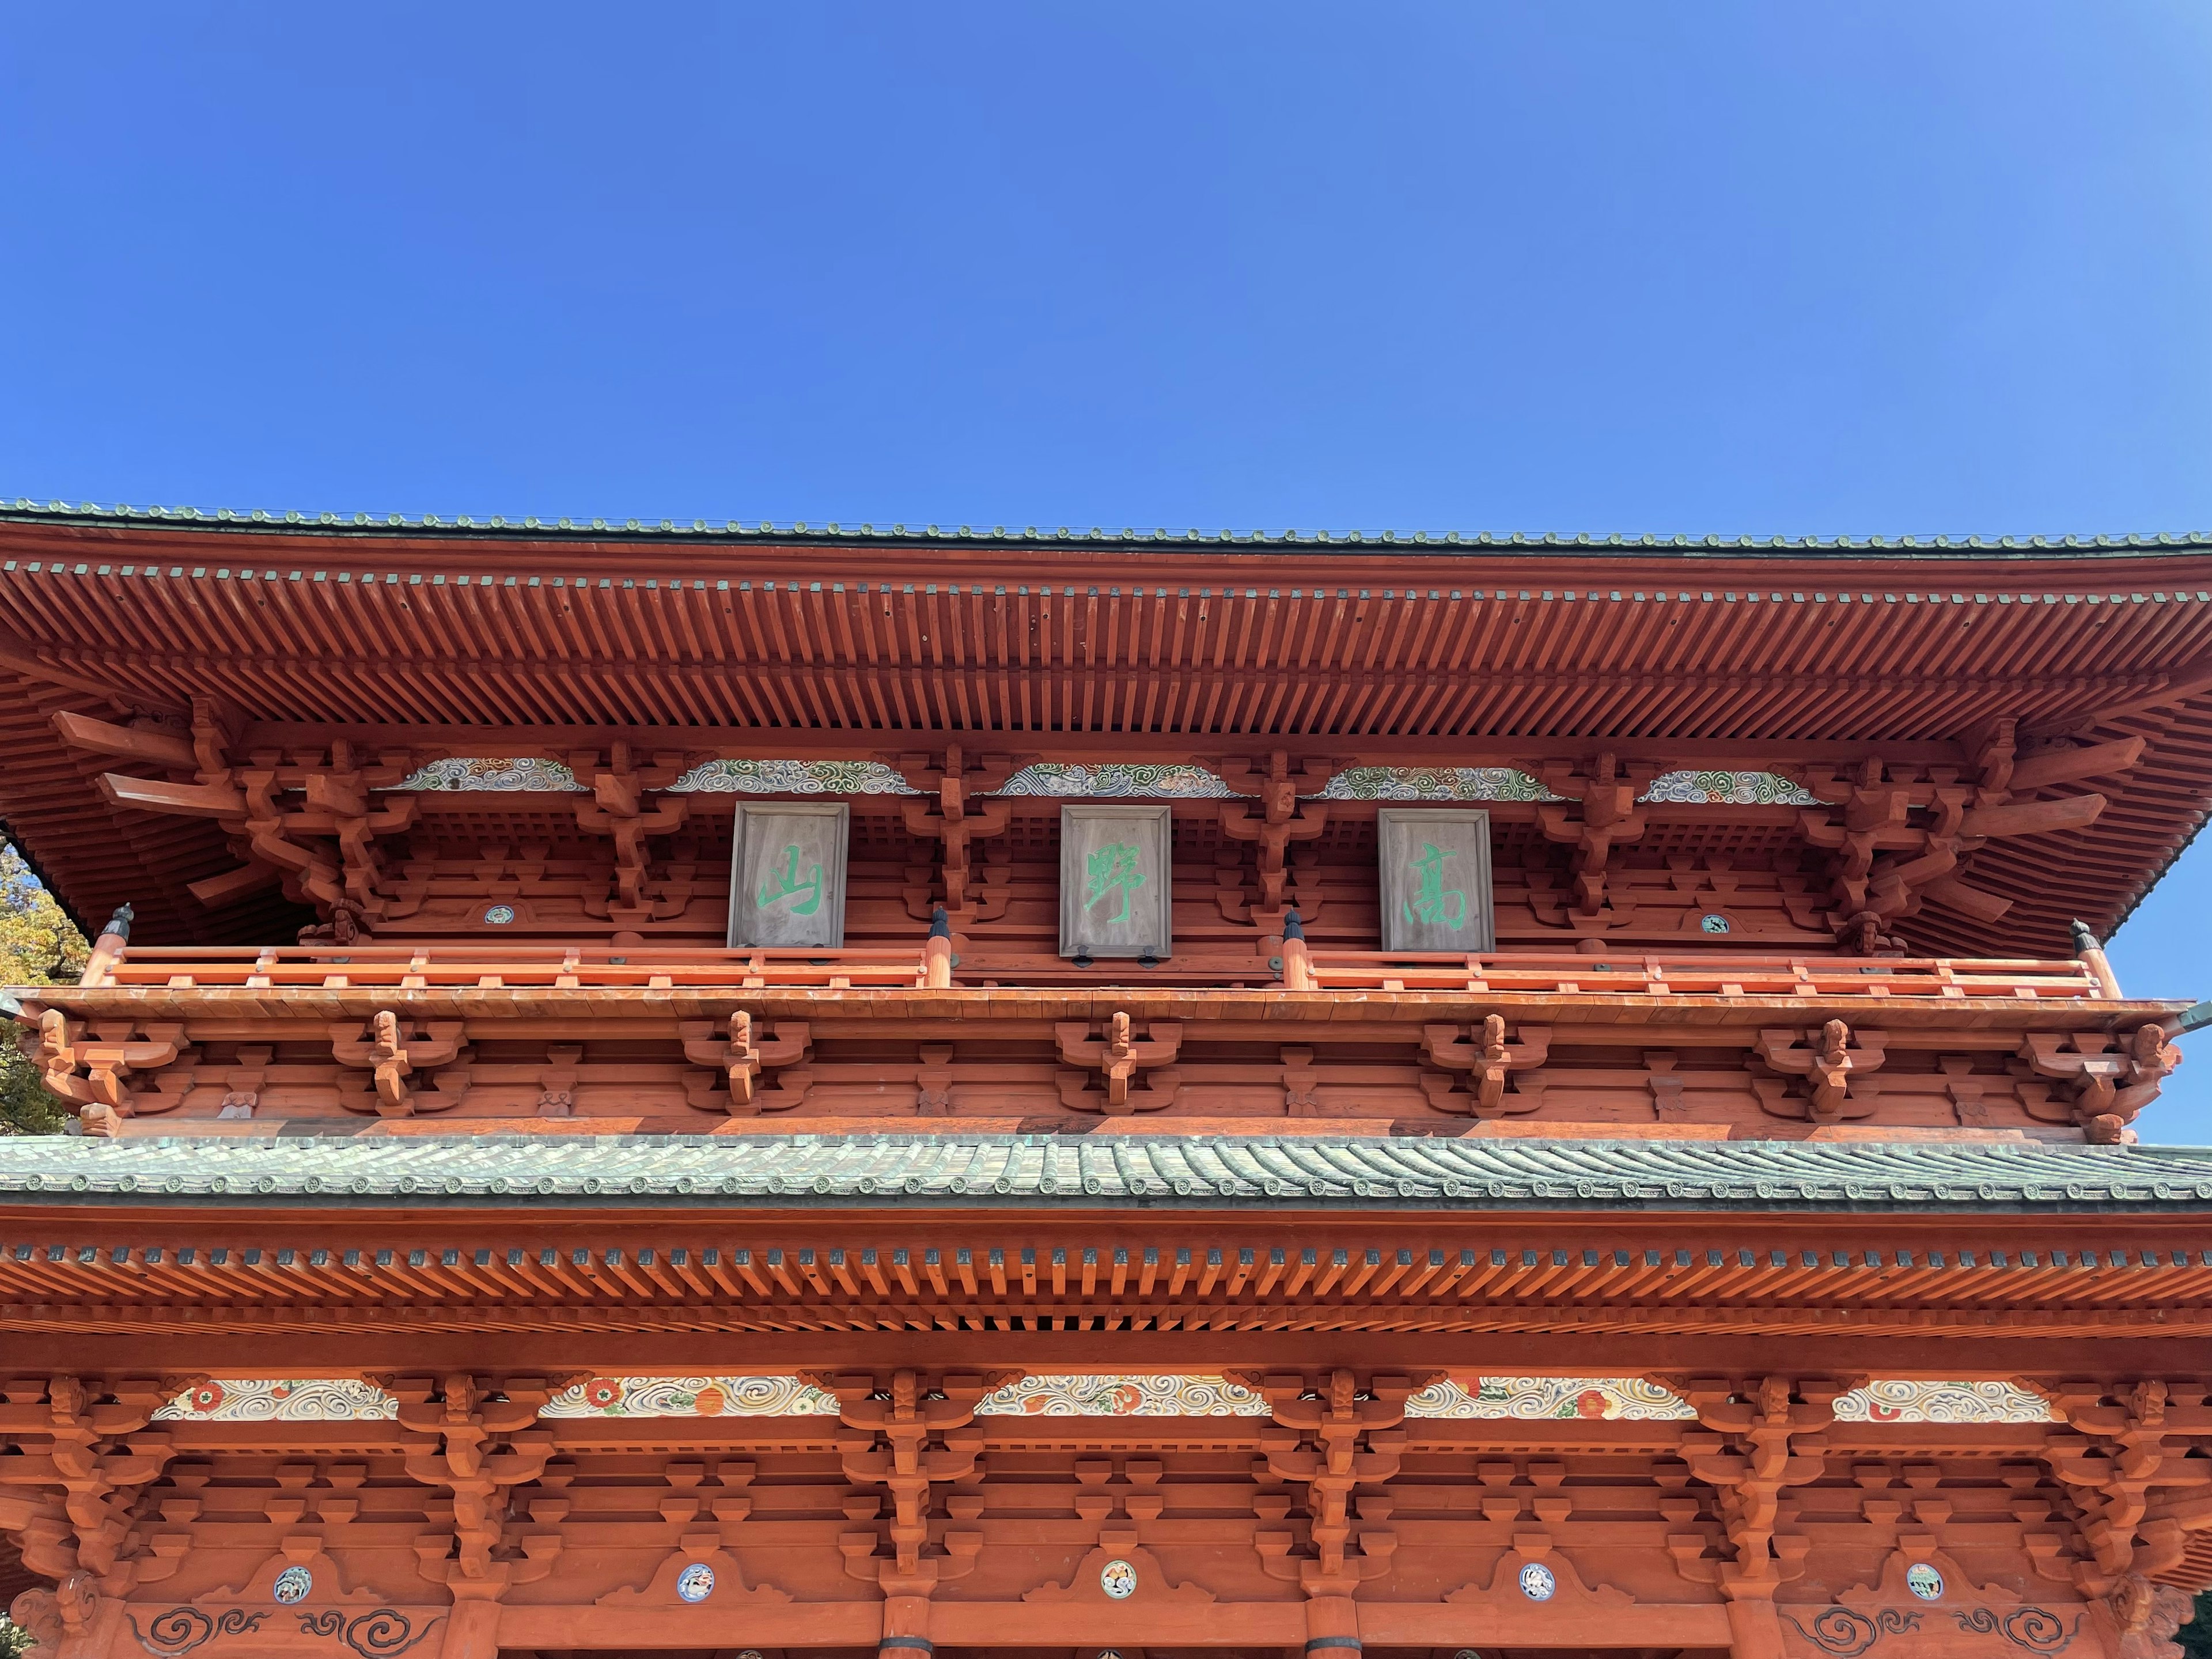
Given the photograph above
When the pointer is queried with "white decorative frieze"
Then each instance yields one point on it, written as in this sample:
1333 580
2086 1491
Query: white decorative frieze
1594 1399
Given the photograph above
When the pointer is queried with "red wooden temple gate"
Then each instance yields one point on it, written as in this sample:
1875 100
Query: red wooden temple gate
779 1093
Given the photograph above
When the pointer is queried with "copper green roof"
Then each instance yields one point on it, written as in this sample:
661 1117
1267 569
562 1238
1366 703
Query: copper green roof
1159 1171
497 526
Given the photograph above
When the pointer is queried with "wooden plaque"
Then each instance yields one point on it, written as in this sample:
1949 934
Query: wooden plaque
1115 873
1436 878
788 873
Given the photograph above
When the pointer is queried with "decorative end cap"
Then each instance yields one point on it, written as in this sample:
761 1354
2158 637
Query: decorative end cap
1292 927
119 923
2083 939
940 925
2196 1019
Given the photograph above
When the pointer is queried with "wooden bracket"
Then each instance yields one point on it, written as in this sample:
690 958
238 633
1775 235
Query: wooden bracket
745 1059
1489 1061
2111 1078
1835 1063
1119 1055
89 1074
393 1054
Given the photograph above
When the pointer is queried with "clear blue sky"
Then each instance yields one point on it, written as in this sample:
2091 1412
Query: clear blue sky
1914 267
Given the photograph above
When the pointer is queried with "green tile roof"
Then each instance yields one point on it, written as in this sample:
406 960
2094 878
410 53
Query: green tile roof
465 526
901 1171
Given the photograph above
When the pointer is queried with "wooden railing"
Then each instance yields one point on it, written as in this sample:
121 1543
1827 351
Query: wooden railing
463 964
1697 975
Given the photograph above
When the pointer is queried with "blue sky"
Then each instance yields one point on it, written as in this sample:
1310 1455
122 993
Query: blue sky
1927 268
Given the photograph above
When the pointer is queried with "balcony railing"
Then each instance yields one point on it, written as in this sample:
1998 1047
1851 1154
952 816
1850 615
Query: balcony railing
463 964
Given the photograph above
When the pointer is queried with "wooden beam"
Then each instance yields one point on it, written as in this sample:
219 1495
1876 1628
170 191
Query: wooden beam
218 890
196 800
1953 894
125 741
2033 817
2097 760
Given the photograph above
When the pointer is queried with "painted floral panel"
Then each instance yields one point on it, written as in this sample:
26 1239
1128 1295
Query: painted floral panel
1727 788
1941 1402
692 1396
508 777
1116 782
791 777
1435 783
281 1400
1597 1398
1123 1396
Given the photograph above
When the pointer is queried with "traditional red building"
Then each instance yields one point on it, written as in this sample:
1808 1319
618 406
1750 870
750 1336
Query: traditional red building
792 1093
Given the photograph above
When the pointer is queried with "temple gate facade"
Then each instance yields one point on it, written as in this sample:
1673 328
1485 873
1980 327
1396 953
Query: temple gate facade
761 1092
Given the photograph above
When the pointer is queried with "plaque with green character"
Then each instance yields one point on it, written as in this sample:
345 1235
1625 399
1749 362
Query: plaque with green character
1115 898
788 874
1435 879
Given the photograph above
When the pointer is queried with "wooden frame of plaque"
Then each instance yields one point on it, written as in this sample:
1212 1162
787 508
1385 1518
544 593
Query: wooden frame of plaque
788 873
1117 881
1435 866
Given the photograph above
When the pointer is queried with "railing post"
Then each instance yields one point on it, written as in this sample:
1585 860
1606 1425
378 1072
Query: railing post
2091 956
1297 966
109 948
936 952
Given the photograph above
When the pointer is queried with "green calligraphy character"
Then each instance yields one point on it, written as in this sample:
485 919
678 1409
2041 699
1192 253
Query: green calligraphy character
1435 902
786 883
1113 867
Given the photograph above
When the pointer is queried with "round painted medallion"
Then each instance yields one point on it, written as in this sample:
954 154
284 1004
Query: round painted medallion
1466 1653
293 1585
695 1583
1118 1579
1923 1581
1713 924
499 916
1537 1583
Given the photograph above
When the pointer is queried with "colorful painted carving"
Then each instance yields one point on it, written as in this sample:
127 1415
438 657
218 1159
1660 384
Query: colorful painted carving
791 777
692 1396
1435 783
1727 789
1101 1395
1122 1396
1116 782
509 776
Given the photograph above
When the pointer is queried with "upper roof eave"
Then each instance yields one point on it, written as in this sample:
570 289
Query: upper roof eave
496 528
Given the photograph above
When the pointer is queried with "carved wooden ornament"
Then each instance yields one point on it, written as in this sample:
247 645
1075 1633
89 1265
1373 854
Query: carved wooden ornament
1435 879
788 874
1115 881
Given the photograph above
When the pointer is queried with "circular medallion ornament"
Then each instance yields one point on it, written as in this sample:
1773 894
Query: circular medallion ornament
1537 1583
1466 1653
1118 1579
1923 1581
1713 924
695 1583
293 1585
499 916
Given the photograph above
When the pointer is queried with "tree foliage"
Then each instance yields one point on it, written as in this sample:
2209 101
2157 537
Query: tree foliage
38 945
2196 1636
